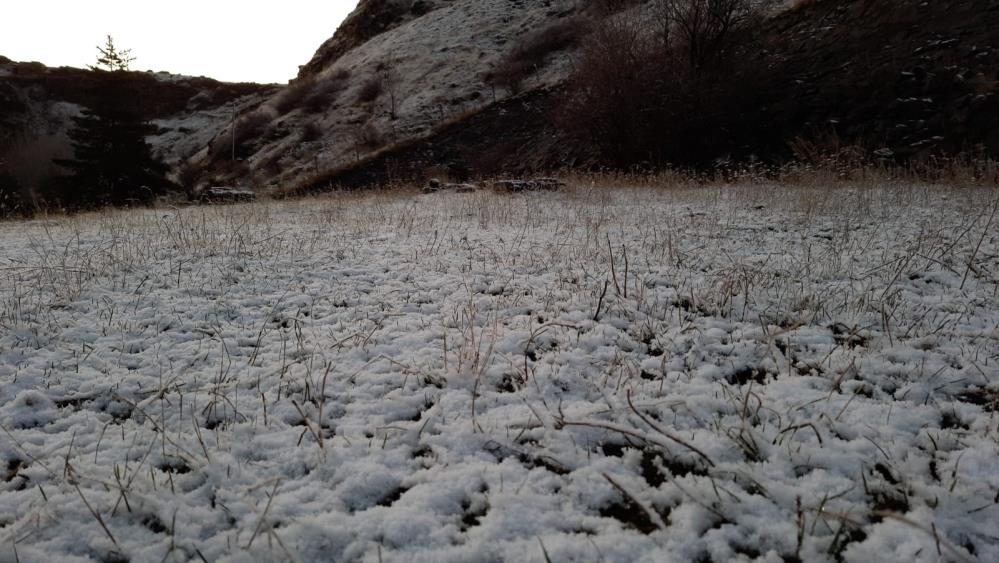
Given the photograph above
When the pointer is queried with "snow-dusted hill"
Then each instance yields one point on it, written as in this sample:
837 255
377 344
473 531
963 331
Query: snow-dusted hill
431 64
723 373
400 74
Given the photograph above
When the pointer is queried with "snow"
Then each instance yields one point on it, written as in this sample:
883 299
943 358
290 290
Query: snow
626 374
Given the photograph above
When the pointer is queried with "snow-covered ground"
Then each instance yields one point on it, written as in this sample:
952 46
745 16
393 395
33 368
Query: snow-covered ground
709 374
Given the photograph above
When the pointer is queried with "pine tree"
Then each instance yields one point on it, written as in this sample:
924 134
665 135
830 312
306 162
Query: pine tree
110 58
112 164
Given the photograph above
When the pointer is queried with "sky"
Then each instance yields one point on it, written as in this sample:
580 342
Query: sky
236 41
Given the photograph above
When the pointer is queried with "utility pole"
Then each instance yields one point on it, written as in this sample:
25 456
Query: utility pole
233 129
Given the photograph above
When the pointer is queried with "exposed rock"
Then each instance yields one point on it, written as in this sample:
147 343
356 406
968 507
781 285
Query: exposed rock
436 185
534 185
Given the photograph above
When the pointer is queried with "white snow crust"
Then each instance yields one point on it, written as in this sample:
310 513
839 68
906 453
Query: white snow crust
632 374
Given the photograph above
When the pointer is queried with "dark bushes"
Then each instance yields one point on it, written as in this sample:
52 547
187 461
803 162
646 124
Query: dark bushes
531 53
293 96
11 196
558 36
371 90
311 93
610 97
310 132
326 91
671 84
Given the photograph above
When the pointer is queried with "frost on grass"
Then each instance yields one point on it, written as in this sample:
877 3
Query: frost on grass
772 373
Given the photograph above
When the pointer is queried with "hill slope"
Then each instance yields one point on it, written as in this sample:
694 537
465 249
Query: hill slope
409 84
406 89
394 72
37 105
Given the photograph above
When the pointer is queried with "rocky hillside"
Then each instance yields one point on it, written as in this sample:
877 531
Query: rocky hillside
394 73
406 89
905 78
37 105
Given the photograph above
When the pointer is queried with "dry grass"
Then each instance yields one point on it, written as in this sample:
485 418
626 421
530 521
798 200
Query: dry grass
656 254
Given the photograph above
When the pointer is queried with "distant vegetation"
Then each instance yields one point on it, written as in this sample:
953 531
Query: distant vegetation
112 164
103 159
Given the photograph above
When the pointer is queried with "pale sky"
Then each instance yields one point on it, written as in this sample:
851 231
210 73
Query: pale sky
237 41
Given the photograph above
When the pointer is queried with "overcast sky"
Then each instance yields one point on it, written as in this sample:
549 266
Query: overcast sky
242 41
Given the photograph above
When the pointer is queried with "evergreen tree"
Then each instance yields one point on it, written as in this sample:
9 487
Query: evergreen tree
110 58
112 164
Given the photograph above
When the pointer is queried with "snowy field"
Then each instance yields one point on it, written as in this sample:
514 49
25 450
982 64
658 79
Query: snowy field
712 374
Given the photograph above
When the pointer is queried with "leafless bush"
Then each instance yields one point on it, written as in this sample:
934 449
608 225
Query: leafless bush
293 96
560 35
271 164
229 169
310 132
827 150
703 31
371 90
656 85
326 91
533 50
249 129
508 75
610 97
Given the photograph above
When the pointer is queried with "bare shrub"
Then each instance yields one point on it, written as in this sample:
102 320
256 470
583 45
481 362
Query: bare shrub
531 53
326 91
366 138
271 164
656 85
294 95
228 170
371 90
509 75
822 149
559 36
609 97
703 31
369 137
310 132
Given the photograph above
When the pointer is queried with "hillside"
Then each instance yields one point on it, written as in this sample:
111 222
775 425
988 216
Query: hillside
393 73
914 78
409 89
403 90
37 104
